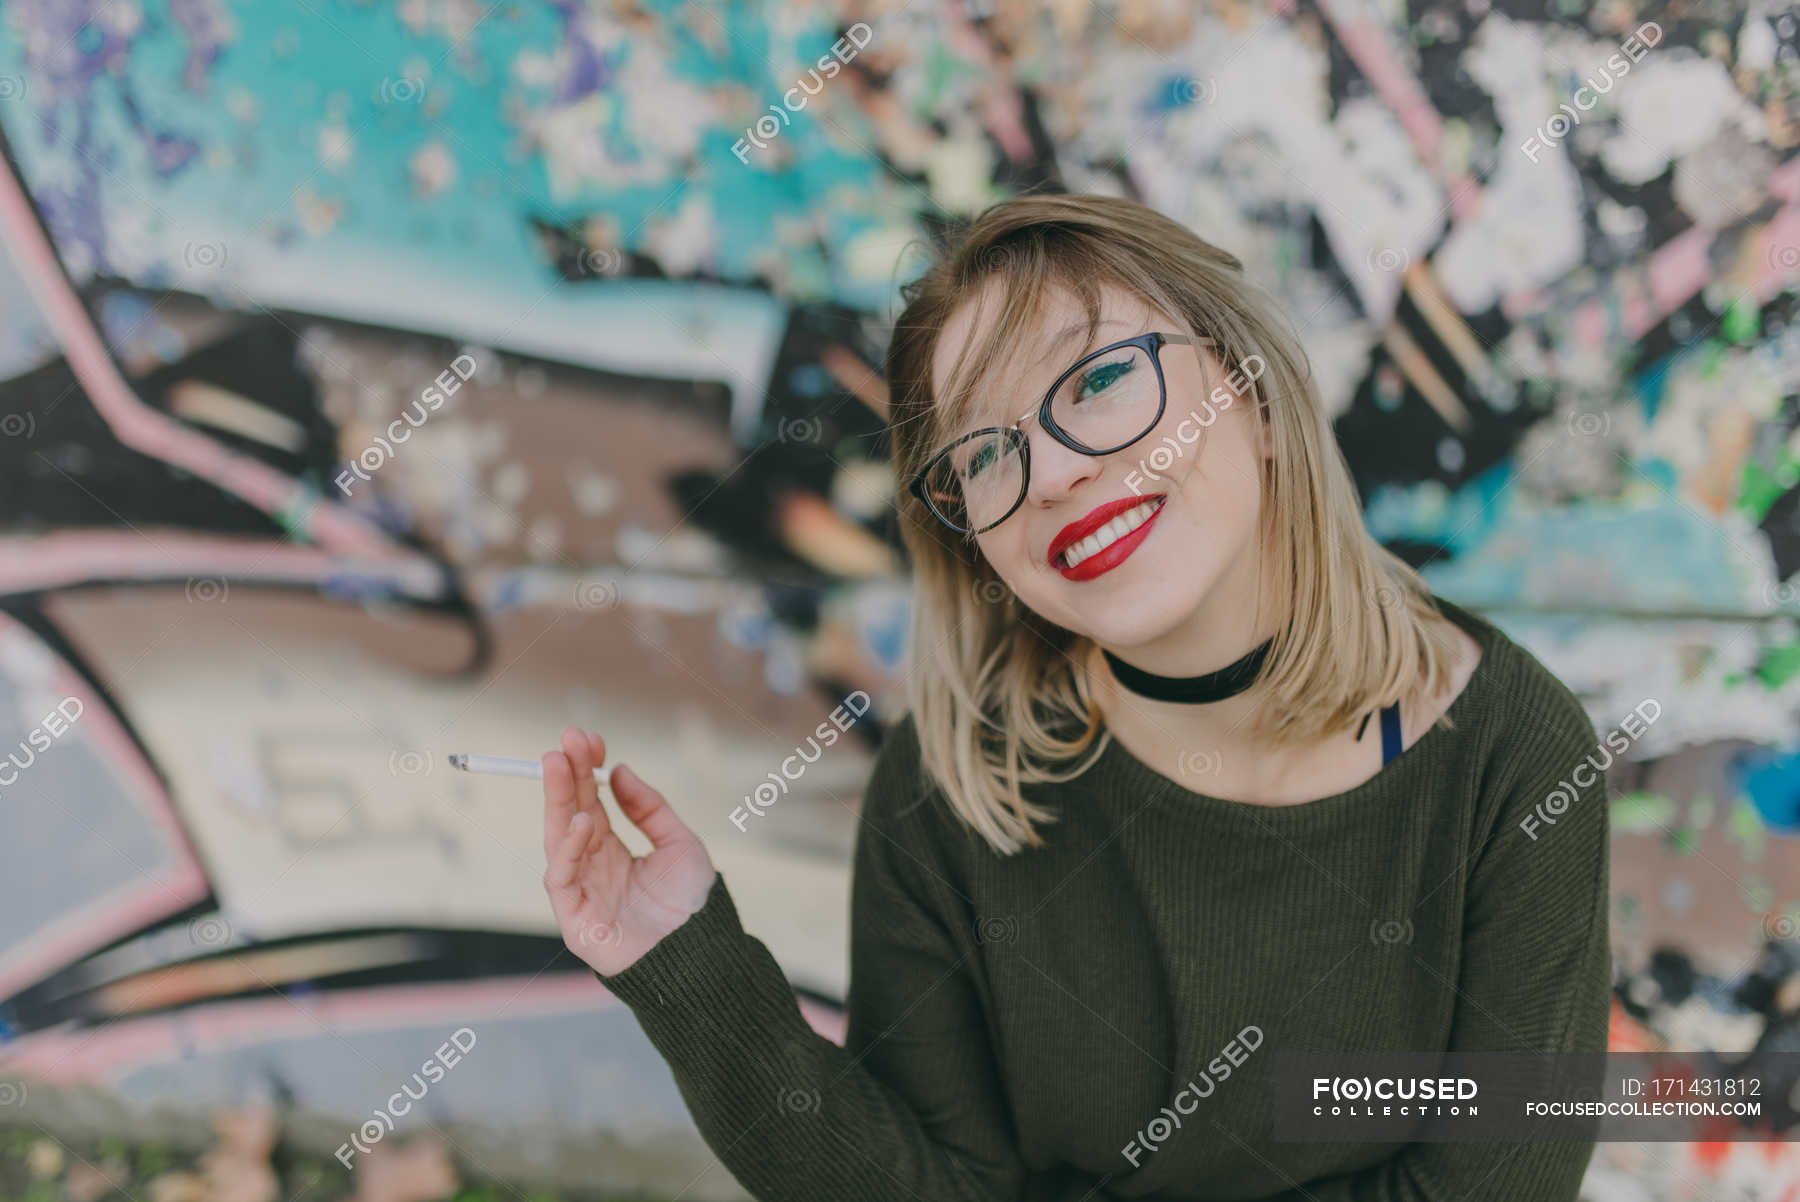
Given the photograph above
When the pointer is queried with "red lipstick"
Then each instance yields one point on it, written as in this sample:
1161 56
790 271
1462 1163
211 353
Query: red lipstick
1108 557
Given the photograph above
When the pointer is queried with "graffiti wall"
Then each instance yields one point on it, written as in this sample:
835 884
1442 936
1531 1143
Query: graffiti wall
385 381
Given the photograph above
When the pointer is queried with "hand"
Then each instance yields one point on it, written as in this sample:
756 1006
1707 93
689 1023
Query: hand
611 907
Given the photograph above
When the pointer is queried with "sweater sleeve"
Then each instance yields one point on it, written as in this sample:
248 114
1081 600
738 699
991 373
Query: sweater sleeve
911 1106
1536 972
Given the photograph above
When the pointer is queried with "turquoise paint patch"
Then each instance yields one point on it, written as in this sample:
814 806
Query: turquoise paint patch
1772 784
1658 471
1428 512
1176 91
476 102
1661 555
1650 384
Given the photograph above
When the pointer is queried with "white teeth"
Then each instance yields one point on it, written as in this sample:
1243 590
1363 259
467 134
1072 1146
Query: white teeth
1110 533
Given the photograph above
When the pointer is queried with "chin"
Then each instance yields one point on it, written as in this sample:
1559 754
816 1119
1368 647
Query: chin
1166 605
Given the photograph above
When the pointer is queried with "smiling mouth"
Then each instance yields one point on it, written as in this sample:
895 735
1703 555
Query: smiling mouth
1107 535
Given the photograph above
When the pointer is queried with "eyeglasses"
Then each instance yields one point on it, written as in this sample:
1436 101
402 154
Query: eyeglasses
1108 400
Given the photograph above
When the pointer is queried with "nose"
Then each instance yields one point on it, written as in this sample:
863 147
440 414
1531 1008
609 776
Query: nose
1056 470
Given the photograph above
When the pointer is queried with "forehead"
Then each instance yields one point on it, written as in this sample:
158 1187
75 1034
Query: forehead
1055 338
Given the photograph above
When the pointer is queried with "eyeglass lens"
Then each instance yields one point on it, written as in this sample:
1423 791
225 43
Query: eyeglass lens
1109 402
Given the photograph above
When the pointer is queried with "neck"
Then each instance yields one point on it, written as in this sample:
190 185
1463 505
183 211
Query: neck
1203 689
1206 643
1205 723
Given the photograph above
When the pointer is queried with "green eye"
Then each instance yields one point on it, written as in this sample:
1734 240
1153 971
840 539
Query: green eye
1103 377
980 461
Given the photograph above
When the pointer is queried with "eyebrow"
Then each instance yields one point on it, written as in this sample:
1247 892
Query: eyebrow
1078 326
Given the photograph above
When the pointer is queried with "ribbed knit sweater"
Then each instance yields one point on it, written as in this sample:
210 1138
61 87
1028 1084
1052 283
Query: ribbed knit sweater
1014 1022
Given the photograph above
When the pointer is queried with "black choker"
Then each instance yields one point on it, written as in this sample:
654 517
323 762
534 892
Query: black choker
1228 681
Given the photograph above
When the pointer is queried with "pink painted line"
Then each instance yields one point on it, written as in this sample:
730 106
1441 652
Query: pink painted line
122 1046
134 905
73 557
1369 48
123 912
1525 302
1004 115
1776 266
1372 49
1466 197
1002 112
221 1025
1643 296
144 429
1784 181
119 1048
1680 268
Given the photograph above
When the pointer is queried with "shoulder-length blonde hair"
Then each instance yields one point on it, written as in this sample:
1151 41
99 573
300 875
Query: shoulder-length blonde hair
992 686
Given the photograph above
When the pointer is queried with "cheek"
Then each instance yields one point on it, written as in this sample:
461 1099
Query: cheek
1222 462
1006 552
1033 583
1187 433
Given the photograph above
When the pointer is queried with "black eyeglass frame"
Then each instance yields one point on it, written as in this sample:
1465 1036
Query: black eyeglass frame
1150 343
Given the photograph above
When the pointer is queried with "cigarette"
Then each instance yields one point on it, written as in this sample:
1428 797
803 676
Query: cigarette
499 765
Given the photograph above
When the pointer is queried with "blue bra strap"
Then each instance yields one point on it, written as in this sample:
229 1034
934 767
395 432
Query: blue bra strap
1390 733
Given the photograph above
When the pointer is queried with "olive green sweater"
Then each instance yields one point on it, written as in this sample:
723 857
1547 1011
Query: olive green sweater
1015 1023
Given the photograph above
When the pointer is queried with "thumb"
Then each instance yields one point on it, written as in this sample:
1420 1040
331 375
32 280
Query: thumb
648 810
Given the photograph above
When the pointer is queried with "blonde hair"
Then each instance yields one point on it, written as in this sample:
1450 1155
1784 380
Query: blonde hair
992 685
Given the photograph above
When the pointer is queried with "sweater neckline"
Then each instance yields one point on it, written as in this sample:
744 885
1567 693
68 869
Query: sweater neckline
1116 760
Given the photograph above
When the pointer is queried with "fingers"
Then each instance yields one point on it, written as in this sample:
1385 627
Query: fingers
647 809
559 799
562 874
577 746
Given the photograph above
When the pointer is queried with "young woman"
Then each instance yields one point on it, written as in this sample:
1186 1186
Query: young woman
1134 837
